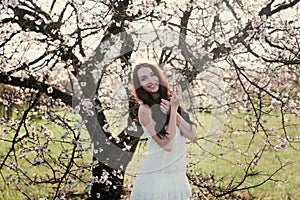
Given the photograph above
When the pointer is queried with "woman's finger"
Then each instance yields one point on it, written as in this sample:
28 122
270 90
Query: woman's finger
165 106
163 109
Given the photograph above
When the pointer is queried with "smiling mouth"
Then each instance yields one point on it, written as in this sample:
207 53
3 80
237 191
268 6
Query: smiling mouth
153 86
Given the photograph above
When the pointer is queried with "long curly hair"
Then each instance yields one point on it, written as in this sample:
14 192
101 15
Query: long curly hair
142 96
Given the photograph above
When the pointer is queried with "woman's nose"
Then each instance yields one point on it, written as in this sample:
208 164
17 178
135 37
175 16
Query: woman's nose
149 81
152 79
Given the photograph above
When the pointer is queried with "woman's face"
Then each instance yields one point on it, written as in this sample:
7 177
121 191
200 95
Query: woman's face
148 80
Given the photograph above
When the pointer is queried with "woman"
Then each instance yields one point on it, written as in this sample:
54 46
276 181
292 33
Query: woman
166 124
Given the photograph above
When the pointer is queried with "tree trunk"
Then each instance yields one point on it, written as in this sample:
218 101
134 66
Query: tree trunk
111 155
111 162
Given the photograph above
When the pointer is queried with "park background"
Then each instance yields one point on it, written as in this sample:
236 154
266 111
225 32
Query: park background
68 123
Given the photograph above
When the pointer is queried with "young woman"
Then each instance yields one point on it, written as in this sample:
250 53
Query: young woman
167 125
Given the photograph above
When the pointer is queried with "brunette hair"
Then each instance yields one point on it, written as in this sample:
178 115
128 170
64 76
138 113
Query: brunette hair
142 96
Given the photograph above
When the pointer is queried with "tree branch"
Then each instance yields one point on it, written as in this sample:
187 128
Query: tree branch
32 83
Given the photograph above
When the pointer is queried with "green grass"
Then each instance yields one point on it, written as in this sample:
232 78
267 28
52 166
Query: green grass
233 145
54 149
286 179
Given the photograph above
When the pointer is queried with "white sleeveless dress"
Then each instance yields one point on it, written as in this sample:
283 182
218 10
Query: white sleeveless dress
163 175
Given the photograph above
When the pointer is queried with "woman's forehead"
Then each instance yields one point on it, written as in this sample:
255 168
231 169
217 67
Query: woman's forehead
144 71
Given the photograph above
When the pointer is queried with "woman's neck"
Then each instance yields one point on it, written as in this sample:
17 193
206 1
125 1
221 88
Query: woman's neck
155 96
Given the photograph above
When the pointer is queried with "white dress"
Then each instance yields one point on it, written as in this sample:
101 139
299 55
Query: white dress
163 175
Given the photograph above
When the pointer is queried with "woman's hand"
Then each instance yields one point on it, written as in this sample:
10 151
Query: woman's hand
179 94
165 106
176 98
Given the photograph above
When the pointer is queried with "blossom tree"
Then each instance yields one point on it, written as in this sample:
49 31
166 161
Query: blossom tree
66 59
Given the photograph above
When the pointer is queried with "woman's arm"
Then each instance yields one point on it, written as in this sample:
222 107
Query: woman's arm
188 130
145 117
171 130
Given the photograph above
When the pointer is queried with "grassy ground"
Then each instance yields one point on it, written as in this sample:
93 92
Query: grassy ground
54 164
233 150
284 184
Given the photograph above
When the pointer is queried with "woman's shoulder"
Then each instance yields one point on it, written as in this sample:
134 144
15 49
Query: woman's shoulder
144 114
144 108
